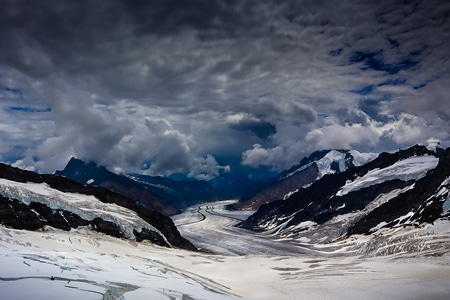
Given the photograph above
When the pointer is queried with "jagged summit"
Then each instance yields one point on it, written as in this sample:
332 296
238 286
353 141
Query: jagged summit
89 173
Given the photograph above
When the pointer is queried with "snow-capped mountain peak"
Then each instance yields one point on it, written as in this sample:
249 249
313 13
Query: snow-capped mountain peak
310 169
332 161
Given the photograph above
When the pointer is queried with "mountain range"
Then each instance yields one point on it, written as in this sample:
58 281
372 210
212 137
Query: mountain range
382 226
395 190
336 195
310 169
157 193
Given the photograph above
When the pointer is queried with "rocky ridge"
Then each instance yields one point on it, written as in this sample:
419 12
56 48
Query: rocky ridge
24 209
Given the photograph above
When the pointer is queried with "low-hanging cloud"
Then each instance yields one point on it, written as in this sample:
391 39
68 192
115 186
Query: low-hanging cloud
259 156
206 168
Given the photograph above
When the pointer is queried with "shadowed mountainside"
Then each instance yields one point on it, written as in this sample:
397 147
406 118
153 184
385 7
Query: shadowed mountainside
35 215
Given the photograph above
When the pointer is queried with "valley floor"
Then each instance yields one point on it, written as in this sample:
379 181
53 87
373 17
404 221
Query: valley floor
82 264
210 227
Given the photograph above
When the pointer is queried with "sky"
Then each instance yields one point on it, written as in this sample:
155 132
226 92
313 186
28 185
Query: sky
203 88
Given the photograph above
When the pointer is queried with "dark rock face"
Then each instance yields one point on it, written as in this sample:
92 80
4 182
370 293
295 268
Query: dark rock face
276 189
18 215
149 235
319 203
36 215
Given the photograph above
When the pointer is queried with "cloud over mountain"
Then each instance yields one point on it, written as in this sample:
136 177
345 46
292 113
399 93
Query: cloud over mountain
175 86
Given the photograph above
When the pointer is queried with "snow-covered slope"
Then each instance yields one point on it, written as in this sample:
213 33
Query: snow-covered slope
84 264
412 168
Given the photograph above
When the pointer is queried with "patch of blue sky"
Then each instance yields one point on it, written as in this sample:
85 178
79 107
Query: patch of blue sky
360 56
15 91
374 60
420 86
30 109
336 52
392 69
364 91
396 81
372 107
386 97
323 115
13 153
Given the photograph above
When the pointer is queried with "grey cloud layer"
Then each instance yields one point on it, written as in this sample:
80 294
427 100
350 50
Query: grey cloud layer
166 86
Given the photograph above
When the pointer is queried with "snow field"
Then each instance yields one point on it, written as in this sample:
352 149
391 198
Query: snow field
89 265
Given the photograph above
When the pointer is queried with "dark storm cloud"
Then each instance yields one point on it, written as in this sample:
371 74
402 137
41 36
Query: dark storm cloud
177 83
132 46
169 17
258 128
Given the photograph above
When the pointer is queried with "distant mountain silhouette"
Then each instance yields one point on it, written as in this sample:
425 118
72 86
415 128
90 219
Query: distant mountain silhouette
154 192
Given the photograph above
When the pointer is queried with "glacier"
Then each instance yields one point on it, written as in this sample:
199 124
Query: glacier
84 264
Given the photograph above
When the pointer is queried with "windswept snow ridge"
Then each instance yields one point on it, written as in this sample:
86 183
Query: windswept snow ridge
412 168
86 206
